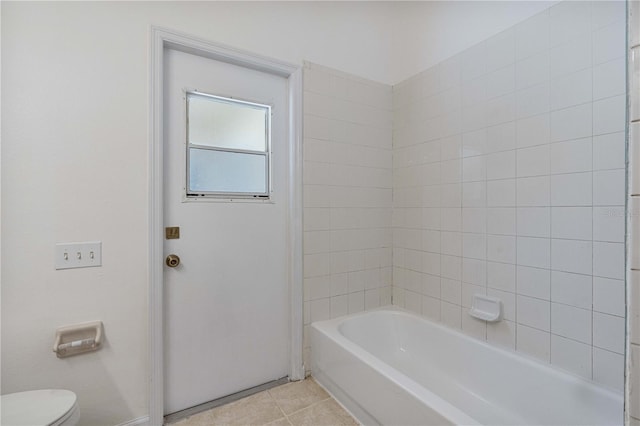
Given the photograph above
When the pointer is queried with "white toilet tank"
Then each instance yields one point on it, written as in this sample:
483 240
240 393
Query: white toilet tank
49 407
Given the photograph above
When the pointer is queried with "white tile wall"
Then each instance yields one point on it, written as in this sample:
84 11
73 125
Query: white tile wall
529 201
348 181
633 276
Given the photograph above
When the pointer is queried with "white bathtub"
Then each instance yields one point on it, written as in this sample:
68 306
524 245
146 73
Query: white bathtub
391 367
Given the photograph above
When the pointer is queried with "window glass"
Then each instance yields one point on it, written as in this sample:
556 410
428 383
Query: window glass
226 124
220 171
227 147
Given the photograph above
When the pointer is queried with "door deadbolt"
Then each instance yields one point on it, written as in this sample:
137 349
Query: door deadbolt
172 260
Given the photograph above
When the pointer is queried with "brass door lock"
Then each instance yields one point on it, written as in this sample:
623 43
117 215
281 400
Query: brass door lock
172 260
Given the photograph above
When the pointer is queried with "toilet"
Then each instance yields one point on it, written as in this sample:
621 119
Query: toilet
50 407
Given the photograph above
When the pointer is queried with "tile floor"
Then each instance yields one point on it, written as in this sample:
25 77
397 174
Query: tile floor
293 404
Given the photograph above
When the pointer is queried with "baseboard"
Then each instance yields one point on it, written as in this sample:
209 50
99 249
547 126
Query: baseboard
144 420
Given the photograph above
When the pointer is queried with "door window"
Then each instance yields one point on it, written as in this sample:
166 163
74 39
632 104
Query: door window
228 147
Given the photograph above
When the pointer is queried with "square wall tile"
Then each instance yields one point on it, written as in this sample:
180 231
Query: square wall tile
609 296
609 224
534 313
534 221
474 246
570 56
608 260
571 322
451 315
535 252
474 271
533 161
571 223
572 289
609 115
609 187
608 332
451 291
474 219
501 248
574 189
608 369
501 276
571 89
609 151
501 81
534 100
502 193
533 191
430 308
450 243
474 194
501 137
572 256
571 156
609 78
571 356
533 342
532 131
609 42
534 282
501 165
502 333
576 122
501 221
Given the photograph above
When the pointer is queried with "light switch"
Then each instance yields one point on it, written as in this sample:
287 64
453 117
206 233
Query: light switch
78 255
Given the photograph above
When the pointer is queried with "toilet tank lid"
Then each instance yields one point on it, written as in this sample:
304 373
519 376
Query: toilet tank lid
37 407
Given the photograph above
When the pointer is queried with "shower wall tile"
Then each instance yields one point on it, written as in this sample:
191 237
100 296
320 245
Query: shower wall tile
348 182
633 221
529 202
571 355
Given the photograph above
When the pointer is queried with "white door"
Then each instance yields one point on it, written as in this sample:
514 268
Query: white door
226 303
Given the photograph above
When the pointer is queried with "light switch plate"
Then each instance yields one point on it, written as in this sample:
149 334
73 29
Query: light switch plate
78 255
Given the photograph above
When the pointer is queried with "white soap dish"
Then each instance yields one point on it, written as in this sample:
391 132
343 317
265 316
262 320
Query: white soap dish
486 308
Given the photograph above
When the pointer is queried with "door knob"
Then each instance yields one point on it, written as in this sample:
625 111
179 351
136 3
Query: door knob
172 260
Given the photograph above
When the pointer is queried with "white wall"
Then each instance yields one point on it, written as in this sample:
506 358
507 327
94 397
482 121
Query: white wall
509 180
75 167
74 164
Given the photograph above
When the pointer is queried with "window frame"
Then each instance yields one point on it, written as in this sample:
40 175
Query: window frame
227 195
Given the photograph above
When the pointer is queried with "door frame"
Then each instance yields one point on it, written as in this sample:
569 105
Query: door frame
159 39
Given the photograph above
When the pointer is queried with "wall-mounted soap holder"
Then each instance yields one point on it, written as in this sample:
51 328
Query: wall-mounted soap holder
486 308
78 338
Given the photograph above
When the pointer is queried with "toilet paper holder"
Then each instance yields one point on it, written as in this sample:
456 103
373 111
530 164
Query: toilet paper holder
78 338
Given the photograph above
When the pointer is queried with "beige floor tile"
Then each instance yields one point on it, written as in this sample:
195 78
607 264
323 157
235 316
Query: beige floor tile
280 422
295 396
325 413
200 419
258 409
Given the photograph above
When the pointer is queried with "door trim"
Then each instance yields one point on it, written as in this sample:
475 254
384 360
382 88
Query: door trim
159 39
